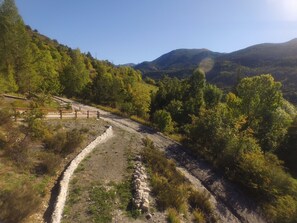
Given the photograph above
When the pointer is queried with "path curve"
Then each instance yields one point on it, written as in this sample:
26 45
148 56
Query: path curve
64 183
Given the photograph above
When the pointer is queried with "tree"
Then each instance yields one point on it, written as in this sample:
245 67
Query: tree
75 76
163 121
194 96
261 102
212 95
15 52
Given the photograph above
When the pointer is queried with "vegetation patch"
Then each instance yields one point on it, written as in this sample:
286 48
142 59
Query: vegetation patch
102 204
31 153
106 199
172 190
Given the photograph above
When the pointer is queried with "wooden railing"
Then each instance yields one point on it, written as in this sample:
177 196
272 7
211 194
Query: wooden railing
58 113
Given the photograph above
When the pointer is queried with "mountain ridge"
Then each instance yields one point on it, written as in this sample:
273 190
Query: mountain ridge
224 69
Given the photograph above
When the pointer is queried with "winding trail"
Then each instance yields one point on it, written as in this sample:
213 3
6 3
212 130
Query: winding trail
230 203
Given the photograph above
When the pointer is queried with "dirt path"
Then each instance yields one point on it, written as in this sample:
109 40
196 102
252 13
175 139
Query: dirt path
231 204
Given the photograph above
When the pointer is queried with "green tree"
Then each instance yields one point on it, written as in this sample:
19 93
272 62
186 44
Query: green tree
75 76
163 121
212 95
261 103
15 50
194 96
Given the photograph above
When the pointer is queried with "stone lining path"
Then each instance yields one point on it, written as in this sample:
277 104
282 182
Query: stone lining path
64 183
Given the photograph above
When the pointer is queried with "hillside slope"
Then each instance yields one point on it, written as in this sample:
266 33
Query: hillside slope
279 59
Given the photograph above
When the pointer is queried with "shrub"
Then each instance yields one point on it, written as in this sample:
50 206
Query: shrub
18 153
198 216
283 210
163 121
5 116
200 200
74 139
38 129
56 142
64 142
172 216
170 187
18 203
48 164
169 194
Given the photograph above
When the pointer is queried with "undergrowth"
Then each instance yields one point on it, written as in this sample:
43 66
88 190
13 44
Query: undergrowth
172 190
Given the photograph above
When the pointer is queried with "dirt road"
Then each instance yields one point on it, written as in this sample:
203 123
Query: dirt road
231 204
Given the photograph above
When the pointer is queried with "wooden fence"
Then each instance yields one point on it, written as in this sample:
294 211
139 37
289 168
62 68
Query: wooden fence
19 113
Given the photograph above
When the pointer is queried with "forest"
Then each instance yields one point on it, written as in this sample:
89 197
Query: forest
249 133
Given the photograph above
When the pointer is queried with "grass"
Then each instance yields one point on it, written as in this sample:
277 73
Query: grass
74 196
198 216
172 216
106 199
102 204
109 109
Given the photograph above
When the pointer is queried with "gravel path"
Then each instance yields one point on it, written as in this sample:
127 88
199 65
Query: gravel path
231 204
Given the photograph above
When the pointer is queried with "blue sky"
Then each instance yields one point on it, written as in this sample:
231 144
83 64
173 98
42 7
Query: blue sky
132 31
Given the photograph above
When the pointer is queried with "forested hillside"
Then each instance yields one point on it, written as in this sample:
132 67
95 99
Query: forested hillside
34 64
240 133
248 133
226 69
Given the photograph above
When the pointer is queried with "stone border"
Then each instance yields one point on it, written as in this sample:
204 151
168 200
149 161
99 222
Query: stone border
64 183
141 189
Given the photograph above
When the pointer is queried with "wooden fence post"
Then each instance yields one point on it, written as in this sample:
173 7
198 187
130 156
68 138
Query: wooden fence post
15 115
61 114
98 114
88 114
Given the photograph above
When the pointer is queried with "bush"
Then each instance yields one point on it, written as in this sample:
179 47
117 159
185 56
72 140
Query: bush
170 187
38 129
200 200
74 139
56 142
168 194
163 121
199 216
283 210
18 153
64 142
172 216
48 164
5 116
18 203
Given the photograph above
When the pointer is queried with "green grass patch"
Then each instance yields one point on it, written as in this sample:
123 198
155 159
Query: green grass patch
109 109
106 199
172 216
102 204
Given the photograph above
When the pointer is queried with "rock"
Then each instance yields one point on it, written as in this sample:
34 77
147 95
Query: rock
146 189
138 158
148 216
145 207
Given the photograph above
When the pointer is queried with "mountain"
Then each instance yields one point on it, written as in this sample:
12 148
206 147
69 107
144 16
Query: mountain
127 65
178 63
225 69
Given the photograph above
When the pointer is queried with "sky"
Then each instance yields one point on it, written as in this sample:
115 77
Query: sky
133 31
